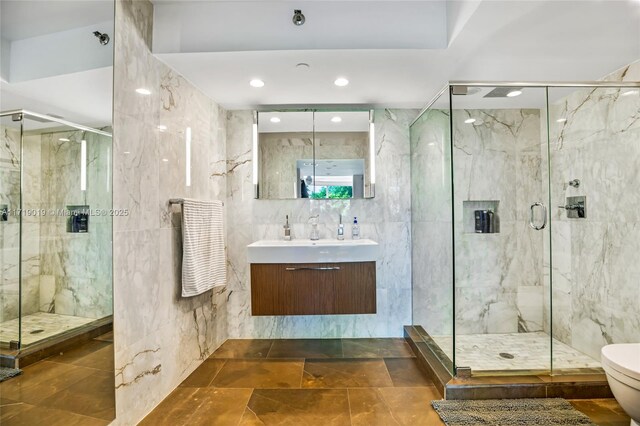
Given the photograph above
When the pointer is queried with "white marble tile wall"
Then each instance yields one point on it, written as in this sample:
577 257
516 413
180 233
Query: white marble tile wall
386 219
160 338
596 292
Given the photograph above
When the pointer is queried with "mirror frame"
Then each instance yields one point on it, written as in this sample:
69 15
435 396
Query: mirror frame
255 157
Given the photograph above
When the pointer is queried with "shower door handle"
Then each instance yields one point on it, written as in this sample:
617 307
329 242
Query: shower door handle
544 217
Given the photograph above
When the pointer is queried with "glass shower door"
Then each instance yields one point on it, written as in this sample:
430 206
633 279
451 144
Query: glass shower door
500 203
10 203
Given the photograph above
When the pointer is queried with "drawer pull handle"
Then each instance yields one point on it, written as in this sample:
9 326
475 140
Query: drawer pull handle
317 268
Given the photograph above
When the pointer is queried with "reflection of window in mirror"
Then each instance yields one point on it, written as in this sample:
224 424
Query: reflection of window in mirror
314 154
333 179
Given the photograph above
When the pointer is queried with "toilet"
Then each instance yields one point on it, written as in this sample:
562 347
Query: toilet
621 363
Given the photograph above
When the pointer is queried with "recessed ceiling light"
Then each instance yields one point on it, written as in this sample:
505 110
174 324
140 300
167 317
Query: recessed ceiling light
256 82
303 66
162 127
336 119
143 91
561 120
514 93
275 119
63 140
630 92
341 82
470 120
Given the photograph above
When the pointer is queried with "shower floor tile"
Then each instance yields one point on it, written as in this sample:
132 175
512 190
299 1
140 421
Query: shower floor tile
50 324
530 351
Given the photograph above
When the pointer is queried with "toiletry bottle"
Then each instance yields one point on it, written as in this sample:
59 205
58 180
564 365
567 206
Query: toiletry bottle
287 230
341 230
355 229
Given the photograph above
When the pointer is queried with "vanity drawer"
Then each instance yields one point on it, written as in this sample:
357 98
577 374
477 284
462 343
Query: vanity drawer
313 288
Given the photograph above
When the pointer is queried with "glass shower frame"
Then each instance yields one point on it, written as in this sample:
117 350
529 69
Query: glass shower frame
445 96
58 126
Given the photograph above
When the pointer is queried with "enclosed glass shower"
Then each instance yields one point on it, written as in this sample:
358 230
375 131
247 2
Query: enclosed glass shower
525 224
55 228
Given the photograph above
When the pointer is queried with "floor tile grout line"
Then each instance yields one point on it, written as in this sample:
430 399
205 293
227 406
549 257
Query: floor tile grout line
224 362
349 404
270 348
246 406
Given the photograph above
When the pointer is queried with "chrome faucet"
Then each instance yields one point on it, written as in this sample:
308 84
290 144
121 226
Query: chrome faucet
315 234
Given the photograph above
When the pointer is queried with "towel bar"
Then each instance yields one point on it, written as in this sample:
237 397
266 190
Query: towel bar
180 201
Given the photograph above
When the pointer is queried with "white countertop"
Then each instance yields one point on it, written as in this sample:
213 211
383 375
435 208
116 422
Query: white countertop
307 251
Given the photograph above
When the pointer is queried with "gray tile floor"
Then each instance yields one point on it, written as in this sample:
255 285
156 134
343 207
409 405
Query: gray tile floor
530 351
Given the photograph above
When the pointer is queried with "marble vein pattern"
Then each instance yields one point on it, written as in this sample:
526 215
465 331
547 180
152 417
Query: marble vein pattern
160 338
386 219
595 287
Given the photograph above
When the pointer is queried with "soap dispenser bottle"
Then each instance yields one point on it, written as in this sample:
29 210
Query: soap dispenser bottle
287 230
341 230
355 229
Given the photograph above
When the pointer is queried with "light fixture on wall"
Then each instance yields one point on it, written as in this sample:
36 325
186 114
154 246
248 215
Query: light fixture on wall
298 18
254 156
83 165
372 153
187 149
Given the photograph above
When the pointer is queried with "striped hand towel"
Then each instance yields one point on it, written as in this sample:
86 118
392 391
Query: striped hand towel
203 258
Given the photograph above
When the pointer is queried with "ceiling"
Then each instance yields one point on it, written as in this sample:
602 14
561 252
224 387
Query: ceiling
394 53
489 40
308 121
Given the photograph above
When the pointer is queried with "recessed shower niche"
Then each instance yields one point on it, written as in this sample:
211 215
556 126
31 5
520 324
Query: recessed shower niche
481 217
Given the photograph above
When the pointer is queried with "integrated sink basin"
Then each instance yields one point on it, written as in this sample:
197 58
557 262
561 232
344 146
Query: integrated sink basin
307 251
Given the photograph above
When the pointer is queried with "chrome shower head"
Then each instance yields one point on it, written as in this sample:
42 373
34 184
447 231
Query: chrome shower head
102 37
298 18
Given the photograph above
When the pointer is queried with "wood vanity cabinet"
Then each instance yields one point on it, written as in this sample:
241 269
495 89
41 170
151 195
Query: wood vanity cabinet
313 288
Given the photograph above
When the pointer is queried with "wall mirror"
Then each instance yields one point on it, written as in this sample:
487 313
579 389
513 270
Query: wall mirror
56 304
314 154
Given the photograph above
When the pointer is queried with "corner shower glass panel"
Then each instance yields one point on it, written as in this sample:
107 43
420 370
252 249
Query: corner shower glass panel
56 189
595 158
500 204
431 229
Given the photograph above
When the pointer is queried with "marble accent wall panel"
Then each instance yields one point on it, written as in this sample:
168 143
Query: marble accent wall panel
160 338
595 273
499 276
386 219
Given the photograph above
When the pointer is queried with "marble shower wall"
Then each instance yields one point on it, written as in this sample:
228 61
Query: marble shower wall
499 276
386 219
498 287
75 269
63 273
596 290
160 337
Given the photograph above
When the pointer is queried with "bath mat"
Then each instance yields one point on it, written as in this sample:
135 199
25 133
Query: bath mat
510 412
7 373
